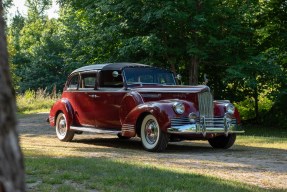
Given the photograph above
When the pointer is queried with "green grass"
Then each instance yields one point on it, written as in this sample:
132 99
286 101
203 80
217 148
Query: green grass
261 131
48 173
100 174
266 137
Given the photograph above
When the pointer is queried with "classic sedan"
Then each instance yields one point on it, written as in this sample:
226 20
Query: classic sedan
129 100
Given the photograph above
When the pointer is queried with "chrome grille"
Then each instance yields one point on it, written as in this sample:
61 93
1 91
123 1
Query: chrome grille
179 121
205 102
216 122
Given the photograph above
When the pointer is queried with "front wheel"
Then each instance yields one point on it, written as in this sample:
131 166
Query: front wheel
152 137
62 131
222 142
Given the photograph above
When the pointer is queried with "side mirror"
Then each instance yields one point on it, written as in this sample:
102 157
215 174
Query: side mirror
115 74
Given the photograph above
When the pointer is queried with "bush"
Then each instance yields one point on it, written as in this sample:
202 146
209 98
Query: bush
35 101
271 114
277 115
246 108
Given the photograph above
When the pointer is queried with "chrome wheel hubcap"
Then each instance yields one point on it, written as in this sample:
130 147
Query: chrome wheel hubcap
151 132
62 126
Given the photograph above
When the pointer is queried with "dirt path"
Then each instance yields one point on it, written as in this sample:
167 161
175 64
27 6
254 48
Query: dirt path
263 167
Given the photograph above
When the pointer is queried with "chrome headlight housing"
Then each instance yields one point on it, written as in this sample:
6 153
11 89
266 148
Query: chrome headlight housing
230 108
179 108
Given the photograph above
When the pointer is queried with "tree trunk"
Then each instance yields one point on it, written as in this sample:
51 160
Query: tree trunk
193 72
256 108
194 67
11 158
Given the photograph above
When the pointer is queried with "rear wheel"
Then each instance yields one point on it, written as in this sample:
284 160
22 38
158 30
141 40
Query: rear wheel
62 131
222 142
152 137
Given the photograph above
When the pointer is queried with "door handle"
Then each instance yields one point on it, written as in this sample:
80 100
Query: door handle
94 96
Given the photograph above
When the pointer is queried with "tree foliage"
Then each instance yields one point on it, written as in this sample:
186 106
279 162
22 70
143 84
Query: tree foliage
239 45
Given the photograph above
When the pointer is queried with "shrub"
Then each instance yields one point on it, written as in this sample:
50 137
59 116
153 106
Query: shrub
35 101
246 107
277 115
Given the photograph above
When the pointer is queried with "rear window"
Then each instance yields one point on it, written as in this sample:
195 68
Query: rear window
108 80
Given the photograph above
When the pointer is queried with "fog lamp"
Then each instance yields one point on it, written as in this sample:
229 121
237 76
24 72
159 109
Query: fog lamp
192 117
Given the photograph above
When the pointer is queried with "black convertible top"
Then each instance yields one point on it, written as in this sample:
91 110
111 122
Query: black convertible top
108 66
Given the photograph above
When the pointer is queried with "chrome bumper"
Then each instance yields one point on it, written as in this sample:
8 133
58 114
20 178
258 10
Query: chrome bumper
205 126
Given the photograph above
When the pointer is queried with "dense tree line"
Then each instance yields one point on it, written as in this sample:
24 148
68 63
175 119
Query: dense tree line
239 45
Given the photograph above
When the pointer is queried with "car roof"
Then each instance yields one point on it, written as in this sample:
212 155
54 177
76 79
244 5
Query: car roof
108 66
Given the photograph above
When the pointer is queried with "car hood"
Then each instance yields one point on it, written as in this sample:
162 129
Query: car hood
172 89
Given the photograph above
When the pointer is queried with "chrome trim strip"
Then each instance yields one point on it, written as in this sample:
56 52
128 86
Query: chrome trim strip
95 130
128 128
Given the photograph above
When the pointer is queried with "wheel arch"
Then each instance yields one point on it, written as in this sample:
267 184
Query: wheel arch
65 107
139 122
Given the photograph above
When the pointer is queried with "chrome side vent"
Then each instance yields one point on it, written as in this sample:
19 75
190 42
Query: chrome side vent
205 102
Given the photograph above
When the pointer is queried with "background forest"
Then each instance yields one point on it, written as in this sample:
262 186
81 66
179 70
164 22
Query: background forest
240 45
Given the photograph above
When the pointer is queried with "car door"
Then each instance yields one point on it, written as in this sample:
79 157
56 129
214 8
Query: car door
98 106
85 101
110 93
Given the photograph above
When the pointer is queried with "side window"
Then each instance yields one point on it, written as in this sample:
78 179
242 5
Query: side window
73 83
109 81
88 80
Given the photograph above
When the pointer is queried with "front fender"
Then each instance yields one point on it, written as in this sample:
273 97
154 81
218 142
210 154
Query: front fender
220 109
129 102
161 110
64 106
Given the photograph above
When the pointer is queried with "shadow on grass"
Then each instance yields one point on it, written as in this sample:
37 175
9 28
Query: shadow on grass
173 147
93 174
249 158
135 144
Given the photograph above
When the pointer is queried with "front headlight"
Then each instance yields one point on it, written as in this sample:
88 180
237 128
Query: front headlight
230 108
178 108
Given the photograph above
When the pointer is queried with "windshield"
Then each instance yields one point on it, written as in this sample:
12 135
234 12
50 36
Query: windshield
141 75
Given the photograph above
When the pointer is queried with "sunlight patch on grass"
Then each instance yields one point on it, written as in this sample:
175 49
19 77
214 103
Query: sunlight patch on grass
262 142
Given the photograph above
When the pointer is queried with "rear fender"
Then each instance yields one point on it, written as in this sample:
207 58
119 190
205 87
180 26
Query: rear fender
64 106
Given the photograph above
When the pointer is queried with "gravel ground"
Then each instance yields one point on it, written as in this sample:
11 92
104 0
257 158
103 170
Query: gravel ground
263 167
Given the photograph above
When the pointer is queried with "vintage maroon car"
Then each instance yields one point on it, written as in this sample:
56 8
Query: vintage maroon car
131 100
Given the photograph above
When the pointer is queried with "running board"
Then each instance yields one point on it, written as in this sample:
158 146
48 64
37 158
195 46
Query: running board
95 130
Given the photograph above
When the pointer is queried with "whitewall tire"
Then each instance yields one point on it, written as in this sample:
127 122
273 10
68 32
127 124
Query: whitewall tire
62 131
152 137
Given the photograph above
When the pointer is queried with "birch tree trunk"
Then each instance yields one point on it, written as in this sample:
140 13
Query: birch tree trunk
11 158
